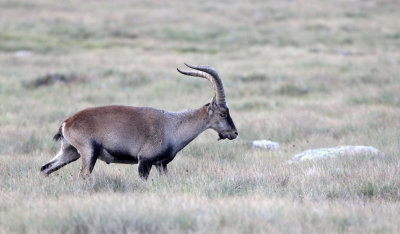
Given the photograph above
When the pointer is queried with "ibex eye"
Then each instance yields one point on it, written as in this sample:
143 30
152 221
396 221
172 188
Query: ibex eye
223 115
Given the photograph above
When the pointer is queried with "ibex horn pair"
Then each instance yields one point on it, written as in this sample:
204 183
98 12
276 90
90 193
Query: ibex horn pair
210 74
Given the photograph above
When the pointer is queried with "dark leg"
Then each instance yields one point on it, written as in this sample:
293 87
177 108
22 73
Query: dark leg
162 168
144 169
66 155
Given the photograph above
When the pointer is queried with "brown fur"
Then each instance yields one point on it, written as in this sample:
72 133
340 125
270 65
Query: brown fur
144 135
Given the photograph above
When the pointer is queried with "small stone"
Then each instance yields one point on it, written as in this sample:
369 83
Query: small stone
22 54
265 144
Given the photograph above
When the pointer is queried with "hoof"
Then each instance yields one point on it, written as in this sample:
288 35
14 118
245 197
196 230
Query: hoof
44 173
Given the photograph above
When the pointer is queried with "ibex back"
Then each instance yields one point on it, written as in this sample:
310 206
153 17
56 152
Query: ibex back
144 135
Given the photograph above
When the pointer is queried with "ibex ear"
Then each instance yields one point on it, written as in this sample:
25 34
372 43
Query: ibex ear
211 107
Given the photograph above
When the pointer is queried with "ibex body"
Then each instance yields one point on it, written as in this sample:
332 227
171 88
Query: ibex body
144 135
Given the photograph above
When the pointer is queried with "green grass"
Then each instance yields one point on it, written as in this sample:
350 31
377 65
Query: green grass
308 75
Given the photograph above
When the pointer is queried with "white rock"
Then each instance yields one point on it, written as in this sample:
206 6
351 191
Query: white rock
336 151
23 54
270 145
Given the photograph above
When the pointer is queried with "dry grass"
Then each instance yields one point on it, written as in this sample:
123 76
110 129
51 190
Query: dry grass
305 74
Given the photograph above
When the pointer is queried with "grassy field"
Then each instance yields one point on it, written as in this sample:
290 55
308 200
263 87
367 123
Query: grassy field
307 74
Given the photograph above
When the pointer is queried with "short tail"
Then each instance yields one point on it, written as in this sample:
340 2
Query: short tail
58 135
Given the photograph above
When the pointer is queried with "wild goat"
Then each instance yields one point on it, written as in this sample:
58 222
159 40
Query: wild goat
144 135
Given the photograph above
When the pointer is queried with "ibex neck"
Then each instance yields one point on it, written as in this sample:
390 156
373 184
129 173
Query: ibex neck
189 124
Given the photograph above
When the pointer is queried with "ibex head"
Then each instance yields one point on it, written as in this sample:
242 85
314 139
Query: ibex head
220 119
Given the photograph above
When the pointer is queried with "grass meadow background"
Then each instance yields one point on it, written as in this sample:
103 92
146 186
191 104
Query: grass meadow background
307 74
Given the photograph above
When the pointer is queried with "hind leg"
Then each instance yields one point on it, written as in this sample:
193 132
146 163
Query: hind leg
90 154
67 154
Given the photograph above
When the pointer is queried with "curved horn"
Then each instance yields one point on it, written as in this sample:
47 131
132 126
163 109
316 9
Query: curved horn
210 74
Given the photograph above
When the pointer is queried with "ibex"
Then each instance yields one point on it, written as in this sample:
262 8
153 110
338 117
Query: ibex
144 135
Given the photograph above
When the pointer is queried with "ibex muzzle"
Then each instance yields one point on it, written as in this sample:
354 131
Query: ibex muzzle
144 135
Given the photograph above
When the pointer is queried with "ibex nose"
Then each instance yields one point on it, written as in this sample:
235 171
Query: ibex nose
236 133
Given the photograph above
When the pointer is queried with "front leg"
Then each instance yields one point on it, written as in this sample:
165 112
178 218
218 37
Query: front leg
144 169
146 162
162 168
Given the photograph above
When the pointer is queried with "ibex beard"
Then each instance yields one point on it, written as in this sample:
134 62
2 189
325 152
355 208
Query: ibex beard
144 135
